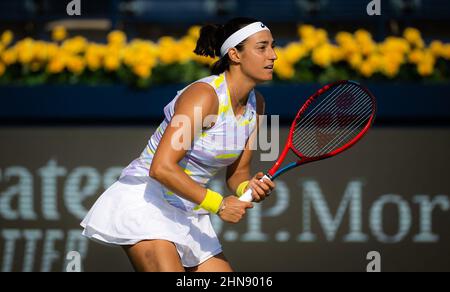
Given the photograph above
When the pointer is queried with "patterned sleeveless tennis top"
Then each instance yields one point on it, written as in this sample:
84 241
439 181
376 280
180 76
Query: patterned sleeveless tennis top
215 148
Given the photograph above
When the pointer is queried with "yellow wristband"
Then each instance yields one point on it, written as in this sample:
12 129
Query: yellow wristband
212 201
241 188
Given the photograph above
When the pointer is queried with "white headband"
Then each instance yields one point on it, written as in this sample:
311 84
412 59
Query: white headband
242 34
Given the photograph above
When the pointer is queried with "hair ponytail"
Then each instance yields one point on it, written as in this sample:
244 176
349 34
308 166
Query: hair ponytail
212 36
209 41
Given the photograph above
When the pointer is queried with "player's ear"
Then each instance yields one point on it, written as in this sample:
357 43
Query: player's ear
234 55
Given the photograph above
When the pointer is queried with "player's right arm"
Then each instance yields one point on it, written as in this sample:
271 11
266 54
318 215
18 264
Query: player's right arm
175 142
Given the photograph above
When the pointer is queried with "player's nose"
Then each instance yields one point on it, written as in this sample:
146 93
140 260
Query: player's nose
273 55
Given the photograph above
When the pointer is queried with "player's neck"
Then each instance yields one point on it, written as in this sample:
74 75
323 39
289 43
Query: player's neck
239 86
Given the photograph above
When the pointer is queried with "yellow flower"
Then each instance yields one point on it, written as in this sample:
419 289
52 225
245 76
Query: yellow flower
187 43
142 71
7 37
140 52
344 37
194 32
40 51
112 62
168 55
349 46
306 31
166 41
390 68
149 60
148 48
412 35
322 36
94 57
25 54
322 56
437 48
363 36
375 61
337 54
446 52
368 48
52 50
75 45
420 44
76 65
394 44
130 56
395 57
56 65
284 70
2 69
117 37
355 60
168 50
310 43
59 33
416 56
184 56
184 48
429 58
294 52
167 58
9 57
425 69
93 62
367 69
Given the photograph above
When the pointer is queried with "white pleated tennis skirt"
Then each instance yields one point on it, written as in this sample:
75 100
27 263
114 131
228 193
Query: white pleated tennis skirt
133 209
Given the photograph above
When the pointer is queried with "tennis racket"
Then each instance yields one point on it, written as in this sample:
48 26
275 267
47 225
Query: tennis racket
331 121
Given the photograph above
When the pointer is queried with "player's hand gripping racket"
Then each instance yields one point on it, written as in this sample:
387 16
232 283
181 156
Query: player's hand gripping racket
331 121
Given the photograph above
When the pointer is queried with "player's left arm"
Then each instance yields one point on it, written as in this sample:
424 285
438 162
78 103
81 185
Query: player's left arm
240 170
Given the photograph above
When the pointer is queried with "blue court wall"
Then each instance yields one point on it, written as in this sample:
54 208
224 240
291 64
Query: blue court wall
402 103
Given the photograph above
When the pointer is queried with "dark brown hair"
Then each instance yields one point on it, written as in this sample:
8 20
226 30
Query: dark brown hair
212 37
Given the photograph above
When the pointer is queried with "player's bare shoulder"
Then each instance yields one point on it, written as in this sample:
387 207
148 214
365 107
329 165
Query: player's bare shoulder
201 95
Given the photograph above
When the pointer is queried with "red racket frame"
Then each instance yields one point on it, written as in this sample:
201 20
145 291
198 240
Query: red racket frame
303 159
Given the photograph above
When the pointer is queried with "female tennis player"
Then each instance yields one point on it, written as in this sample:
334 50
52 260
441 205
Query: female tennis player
159 208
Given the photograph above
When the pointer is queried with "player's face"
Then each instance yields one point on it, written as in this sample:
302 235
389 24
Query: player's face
258 56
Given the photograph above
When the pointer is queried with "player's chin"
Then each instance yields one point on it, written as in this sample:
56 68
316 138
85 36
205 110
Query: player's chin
266 75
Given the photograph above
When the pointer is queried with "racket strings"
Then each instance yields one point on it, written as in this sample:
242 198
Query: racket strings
344 137
331 131
323 140
334 119
328 107
334 135
349 134
327 100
